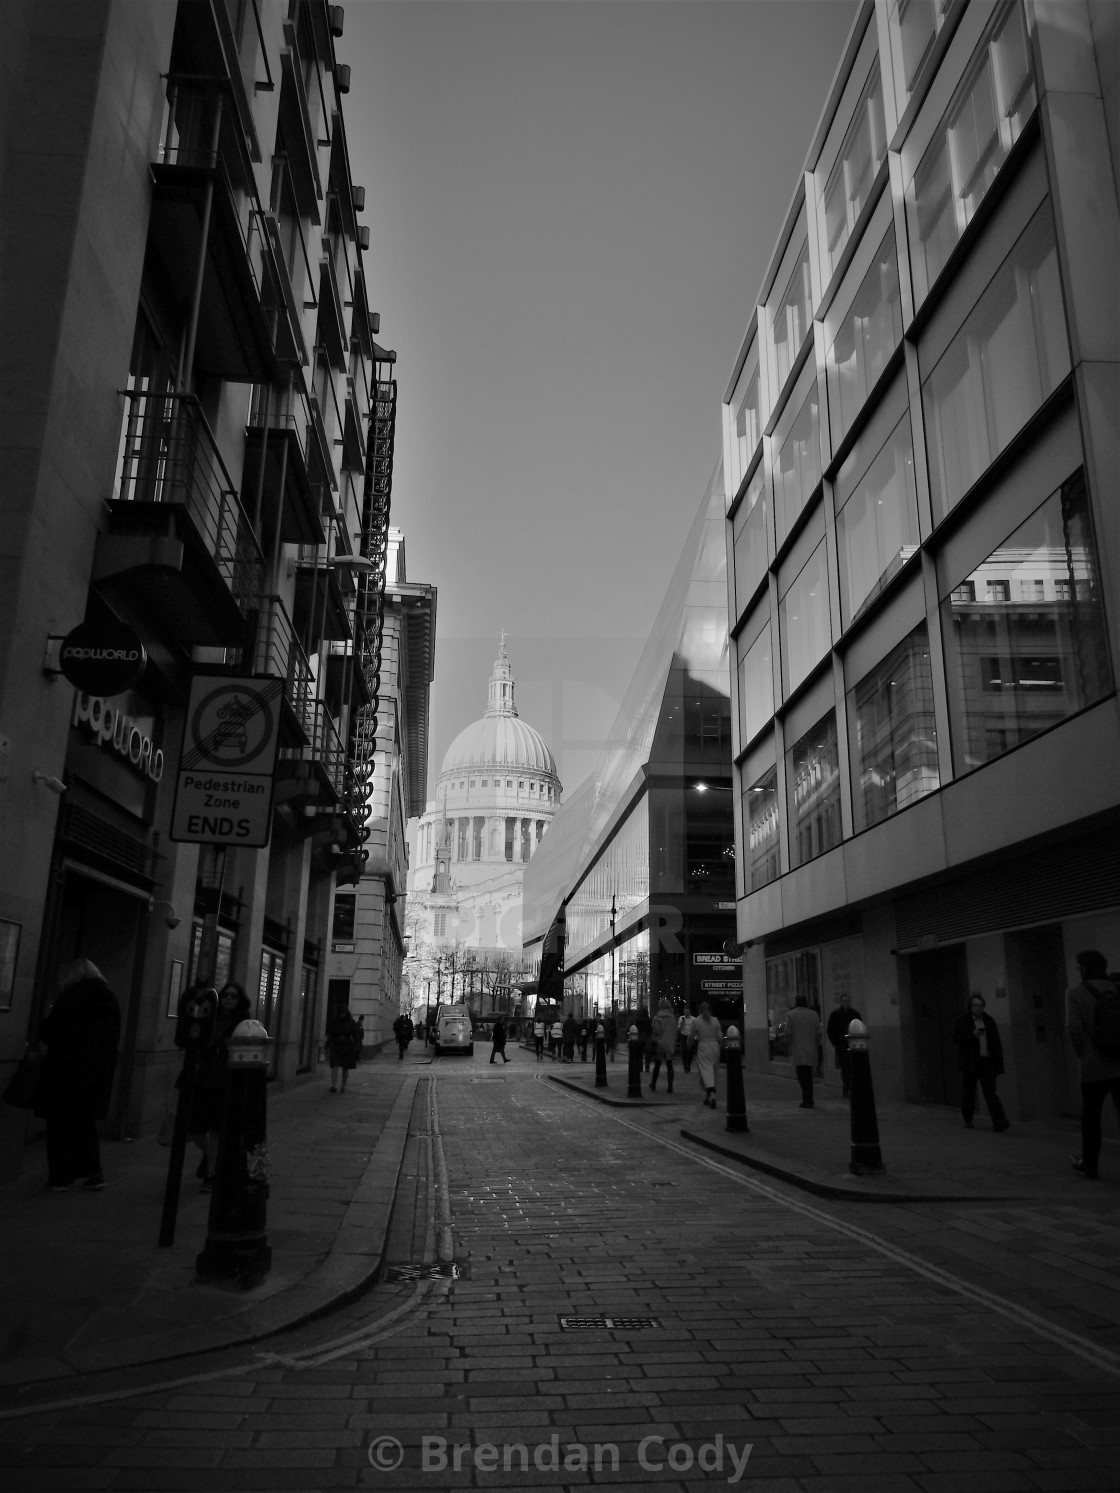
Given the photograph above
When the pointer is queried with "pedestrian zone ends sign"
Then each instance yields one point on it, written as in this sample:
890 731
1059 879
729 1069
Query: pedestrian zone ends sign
223 789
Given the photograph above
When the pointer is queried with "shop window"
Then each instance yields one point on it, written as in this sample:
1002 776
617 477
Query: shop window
861 155
987 116
797 462
876 521
814 792
787 977
894 760
1016 664
762 828
865 341
790 319
756 687
342 927
749 539
803 619
1008 357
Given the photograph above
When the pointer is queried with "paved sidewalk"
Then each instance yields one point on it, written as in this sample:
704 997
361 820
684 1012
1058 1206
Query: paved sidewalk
85 1286
928 1154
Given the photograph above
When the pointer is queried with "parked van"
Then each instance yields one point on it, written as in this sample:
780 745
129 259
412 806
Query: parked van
453 1030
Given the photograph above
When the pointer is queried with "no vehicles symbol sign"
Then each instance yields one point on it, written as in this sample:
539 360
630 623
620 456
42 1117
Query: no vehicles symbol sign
223 789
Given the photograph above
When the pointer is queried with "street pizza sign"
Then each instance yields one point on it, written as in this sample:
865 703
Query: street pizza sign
223 789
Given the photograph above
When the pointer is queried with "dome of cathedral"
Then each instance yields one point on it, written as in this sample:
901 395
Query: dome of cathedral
500 738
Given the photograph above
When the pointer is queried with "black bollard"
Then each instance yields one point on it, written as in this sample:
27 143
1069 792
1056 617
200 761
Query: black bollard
634 1073
236 1246
866 1155
600 1057
736 1099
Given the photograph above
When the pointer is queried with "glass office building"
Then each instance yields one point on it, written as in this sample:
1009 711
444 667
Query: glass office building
923 538
650 832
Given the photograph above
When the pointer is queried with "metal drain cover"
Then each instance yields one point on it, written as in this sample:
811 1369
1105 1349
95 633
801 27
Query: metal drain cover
573 1324
440 1271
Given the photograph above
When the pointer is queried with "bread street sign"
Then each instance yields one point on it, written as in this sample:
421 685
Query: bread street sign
223 788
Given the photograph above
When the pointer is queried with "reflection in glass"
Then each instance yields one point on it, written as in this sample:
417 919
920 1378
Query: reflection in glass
895 757
814 792
746 421
864 343
791 317
1009 356
787 977
913 26
860 157
877 525
756 688
803 618
762 830
797 466
985 119
1025 642
749 544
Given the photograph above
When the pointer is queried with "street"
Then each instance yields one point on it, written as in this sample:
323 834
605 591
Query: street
573 1295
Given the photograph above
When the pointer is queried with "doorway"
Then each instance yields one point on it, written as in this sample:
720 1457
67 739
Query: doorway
1036 973
939 994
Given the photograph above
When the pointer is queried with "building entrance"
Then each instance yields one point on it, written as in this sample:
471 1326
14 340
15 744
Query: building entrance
939 995
1036 973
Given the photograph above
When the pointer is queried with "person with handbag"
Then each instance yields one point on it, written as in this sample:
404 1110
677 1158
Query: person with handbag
709 1045
81 1031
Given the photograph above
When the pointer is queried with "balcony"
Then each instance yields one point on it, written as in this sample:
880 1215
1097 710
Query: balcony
297 128
294 487
178 546
332 317
202 158
315 773
355 417
275 650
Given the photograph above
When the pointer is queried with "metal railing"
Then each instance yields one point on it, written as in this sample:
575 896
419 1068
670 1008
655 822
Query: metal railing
169 455
276 650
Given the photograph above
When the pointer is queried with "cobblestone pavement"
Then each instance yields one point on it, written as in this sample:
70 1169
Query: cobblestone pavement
626 1313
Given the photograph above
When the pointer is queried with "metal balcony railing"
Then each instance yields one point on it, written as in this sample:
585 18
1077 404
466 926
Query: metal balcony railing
169 455
277 651
327 749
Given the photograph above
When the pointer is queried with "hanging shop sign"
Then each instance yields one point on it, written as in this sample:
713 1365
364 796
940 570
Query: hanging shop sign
102 658
115 730
715 959
722 986
223 789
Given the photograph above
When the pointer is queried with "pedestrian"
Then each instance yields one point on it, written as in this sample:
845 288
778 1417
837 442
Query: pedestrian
205 1126
360 1039
569 1032
686 1027
583 1039
81 1032
663 1035
840 1019
555 1038
1093 1023
538 1039
803 1029
402 1030
709 1043
498 1038
341 1052
981 1058
610 1033
645 1026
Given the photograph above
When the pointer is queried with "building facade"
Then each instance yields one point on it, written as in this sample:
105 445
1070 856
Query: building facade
368 915
497 792
189 371
632 894
920 438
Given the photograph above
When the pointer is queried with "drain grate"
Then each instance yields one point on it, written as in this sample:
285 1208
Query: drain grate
626 1324
441 1271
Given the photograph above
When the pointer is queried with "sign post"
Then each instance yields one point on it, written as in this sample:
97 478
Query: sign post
223 789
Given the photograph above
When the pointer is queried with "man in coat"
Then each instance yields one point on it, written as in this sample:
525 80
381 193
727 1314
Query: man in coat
981 1059
663 1035
81 1031
803 1028
1100 1070
839 1020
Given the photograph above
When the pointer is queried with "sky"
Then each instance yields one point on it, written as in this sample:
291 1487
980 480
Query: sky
571 204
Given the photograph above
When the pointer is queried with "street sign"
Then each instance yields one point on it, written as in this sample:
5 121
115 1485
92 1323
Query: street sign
721 985
223 789
102 658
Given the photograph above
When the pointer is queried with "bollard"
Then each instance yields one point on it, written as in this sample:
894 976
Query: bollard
600 1056
736 1099
634 1073
866 1155
236 1246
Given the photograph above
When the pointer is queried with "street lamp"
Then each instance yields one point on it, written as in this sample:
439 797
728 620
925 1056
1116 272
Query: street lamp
614 1005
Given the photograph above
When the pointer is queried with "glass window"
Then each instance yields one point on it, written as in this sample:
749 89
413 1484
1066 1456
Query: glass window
861 155
342 928
762 827
749 531
987 116
746 421
1025 643
894 761
877 521
1009 356
814 792
756 687
864 343
797 464
790 319
806 632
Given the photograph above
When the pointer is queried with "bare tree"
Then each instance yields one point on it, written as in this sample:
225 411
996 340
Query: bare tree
496 969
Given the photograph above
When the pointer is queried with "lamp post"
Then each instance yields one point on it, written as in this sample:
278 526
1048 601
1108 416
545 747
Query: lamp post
614 1004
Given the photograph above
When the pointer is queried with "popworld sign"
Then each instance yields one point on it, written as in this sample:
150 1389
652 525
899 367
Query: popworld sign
223 789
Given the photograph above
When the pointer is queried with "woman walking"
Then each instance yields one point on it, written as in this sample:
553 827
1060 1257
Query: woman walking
341 1049
709 1040
663 1035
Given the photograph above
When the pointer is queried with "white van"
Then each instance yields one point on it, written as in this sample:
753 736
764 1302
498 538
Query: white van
453 1030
